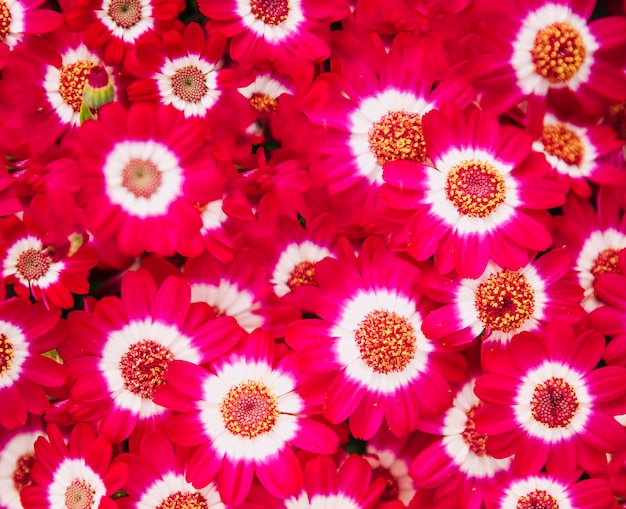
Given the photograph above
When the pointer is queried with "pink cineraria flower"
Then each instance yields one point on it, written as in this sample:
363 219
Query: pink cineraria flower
245 417
73 475
119 351
484 197
501 302
144 170
27 332
367 346
546 402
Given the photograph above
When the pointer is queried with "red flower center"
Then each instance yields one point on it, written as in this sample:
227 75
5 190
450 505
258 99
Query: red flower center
398 136
554 403
505 301
181 500
558 52
386 341
270 12
537 499
125 13
471 437
141 177
302 274
72 81
616 116
605 262
5 19
392 490
249 409
263 103
33 264
143 367
79 495
475 188
21 475
189 84
562 142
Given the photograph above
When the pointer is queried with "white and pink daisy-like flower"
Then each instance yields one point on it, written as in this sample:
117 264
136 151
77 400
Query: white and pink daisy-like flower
118 353
501 302
145 169
244 417
484 197
368 347
547 402
73 475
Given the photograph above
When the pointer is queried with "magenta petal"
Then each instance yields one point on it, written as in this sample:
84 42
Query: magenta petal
530 456
344 395
234 481
431 467
367 417
494 419
281 475
316 437
14 413
118 424
605 433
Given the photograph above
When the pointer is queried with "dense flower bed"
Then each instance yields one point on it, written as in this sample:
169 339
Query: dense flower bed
344 254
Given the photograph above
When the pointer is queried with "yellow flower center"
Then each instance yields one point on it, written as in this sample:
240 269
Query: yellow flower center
558 52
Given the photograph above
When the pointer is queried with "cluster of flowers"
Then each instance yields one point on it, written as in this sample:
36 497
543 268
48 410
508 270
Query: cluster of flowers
312 254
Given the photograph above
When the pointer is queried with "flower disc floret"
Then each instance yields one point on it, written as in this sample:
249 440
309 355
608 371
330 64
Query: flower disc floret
72 79
475 188
606 262
249 409
558 52
6 354
505 301
79 495
398 136
302 274
537 499
386 341
554 403
270 12
141 177
263 103
143 367
474 440
180 500
189 83
21 473
5 20
560 141
125 13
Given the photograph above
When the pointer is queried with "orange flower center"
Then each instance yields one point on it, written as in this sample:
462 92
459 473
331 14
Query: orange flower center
558 52
263 103
249 409
386 341
475 188
72 81
560 141
398 136
605 262
270 12
143 367
505 301
5 19
6 354
302 274
554 403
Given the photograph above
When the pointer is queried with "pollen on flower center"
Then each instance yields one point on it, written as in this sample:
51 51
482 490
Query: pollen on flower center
5 19
554 403
263 103
249 409
33 264
189 84
560 141
72 81
270 12
21 474
125 13
302 274
141 177
537 499
505 301
398 136
391 483
79 495
474 440
475 188
605 262
143 366
386 341
180 500
6 354
558 52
